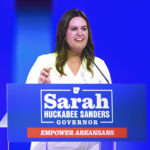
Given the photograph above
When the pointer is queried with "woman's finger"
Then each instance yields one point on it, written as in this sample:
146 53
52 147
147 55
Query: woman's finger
44 75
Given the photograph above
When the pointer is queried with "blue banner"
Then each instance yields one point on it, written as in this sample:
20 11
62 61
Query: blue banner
76 112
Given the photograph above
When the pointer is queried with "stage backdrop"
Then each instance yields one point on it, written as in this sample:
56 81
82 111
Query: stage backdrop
120 32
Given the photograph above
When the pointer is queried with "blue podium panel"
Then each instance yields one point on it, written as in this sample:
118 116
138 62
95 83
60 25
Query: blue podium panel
76 112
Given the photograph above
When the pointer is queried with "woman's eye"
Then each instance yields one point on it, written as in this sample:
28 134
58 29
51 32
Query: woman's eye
73 29
84 29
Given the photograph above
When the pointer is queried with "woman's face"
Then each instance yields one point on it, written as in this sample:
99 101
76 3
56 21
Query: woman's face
77 34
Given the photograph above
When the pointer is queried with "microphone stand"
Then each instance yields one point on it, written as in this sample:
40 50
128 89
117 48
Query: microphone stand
97 67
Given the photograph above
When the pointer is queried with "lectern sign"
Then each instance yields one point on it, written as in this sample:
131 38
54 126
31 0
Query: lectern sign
76 112
76 106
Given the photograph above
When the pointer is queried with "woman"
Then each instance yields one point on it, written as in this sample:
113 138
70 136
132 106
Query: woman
69 63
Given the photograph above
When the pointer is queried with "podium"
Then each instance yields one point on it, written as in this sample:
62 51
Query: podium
76 112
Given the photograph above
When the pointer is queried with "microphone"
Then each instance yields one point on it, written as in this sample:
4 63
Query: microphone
96 66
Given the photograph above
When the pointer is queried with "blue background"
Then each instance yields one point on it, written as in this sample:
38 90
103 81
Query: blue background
121 35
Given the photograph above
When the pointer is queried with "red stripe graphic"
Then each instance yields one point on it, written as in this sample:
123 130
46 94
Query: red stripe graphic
77 132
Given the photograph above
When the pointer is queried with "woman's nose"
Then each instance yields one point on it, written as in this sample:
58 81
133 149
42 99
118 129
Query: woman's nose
79 32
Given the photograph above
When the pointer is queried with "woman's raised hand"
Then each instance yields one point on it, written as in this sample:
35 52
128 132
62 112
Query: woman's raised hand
44 76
